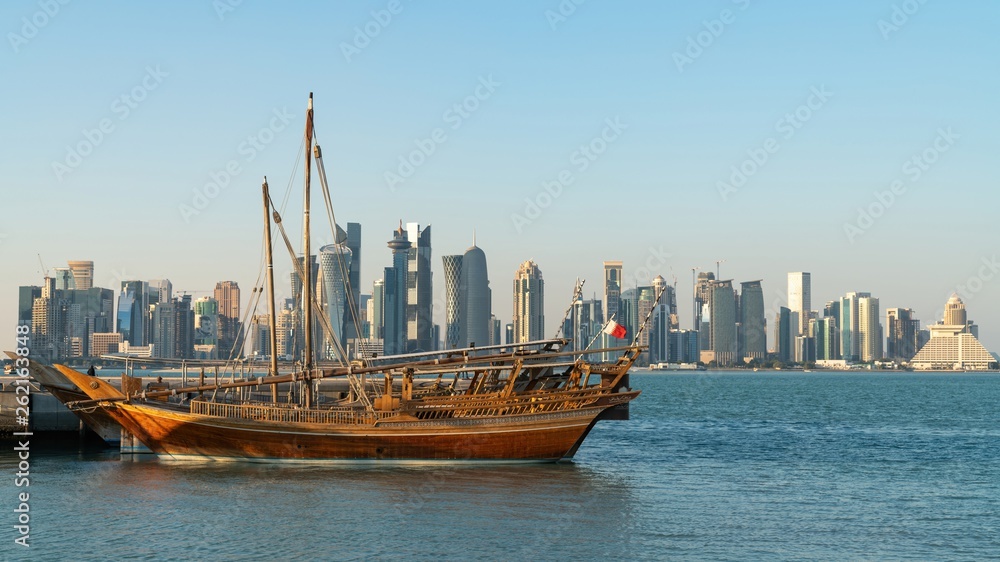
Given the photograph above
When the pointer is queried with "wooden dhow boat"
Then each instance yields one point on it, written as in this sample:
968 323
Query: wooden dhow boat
533 401
523 405
65 391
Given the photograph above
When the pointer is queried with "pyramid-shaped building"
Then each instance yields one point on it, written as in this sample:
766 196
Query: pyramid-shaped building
952 345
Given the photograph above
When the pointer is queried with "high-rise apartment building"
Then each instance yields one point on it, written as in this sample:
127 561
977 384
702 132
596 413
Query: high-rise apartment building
229 329
612 288
83 274
260 336
850 339
529 303
869 329
753 329
826 335
163 331
902 331
702 306
800 298
419 291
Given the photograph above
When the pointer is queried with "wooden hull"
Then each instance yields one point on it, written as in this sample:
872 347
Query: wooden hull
539 438
542 427
99 420
64 390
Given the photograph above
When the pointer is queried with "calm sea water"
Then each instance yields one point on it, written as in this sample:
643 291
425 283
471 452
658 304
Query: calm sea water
711 466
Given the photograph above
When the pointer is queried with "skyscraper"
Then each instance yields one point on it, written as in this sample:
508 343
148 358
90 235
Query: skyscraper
183 327
628 314
902 330
660 333
260 336
377 305
133 306
454 332
661 323
352 302
476 306
395 288
869 329
163 289
954 312
723 331
206 321
783 338
800 298
850 339
419 291
64 278
164 329
753 330
702 307
83 274
335 262
612 288
44 321
825 334
230 330
529 303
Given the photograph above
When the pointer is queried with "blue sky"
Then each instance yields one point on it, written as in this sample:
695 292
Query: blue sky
200 82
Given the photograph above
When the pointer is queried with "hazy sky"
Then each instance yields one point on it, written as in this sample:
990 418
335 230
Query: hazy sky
568 134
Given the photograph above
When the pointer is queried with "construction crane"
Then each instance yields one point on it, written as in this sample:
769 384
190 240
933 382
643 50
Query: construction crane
45 270
718 269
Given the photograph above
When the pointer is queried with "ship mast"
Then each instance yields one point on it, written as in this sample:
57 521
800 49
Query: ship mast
273 316
307 263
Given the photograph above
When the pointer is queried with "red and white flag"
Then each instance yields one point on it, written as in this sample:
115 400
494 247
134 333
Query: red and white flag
614 329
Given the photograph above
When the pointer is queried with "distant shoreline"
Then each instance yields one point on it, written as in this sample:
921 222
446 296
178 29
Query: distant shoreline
805 371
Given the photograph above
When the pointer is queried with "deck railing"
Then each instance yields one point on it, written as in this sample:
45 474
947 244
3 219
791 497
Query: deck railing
352 416
430 408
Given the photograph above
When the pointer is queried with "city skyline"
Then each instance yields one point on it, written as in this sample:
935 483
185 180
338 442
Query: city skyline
897 121
850 327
